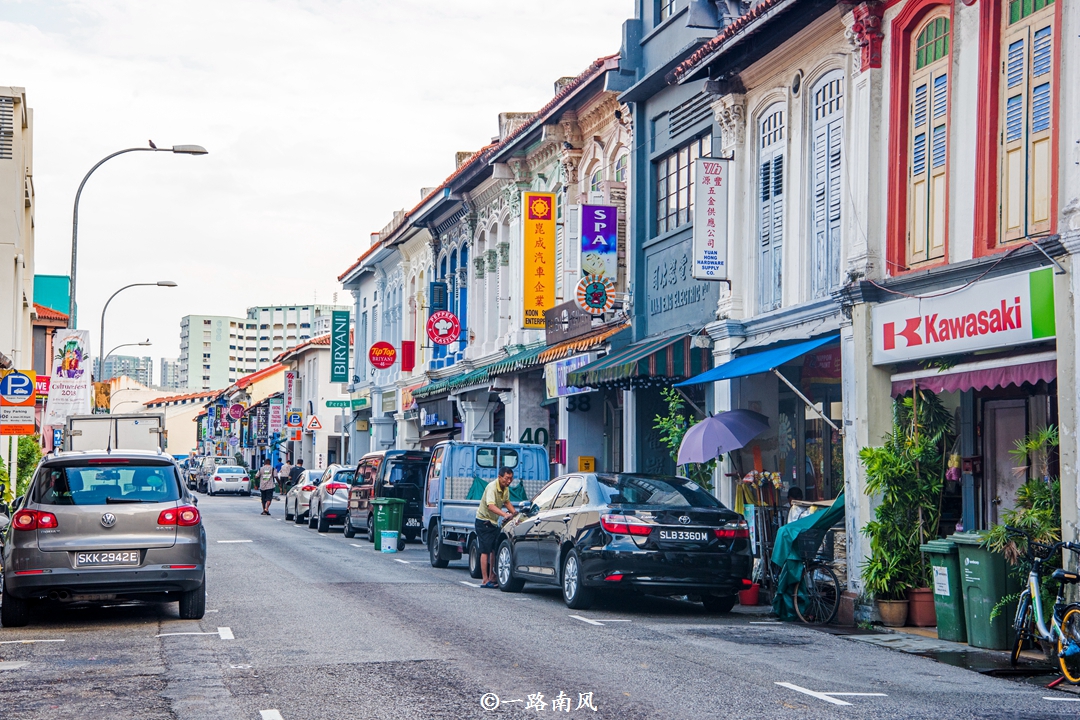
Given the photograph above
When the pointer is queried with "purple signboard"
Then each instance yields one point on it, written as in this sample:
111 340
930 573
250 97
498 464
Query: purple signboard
600 241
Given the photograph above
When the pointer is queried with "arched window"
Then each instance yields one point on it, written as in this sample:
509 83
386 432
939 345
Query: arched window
928 133
826 173
1027 118
620 167
772 153
594 181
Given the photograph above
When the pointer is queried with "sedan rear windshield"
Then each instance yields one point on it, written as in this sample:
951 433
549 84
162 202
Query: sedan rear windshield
231 470
104 484
409 472
654 490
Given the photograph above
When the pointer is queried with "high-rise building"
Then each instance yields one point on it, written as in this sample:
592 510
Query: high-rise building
217 350
140 369
169 377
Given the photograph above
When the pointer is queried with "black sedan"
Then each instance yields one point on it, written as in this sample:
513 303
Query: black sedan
659 535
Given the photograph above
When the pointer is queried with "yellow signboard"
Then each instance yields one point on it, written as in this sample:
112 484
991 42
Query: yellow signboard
539 258
586 463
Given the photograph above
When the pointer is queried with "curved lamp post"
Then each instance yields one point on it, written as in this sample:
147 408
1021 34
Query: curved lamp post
178 149
101 337
101 367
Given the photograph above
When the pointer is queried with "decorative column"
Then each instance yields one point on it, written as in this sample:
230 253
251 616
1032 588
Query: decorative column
730 113
478 419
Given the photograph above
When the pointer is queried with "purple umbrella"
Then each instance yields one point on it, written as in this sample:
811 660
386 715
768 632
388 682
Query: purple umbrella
719 434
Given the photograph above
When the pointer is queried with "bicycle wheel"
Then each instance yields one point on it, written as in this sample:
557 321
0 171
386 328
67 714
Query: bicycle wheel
1068 645
817 596
1023 627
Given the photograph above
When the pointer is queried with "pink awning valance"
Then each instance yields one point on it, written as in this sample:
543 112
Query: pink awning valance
980 376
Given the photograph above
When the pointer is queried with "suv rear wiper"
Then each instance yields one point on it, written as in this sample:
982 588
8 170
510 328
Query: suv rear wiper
114 501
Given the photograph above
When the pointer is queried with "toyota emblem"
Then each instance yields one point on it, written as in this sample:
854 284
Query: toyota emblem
684 519
108 520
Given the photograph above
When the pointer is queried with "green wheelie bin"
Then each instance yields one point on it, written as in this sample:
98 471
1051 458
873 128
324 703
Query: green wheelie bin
986 580
948 589
388 512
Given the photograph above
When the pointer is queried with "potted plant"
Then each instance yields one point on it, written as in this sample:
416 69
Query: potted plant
908 472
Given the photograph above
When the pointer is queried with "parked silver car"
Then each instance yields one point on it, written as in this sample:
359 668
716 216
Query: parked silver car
96 526
228 479
299 495
329 503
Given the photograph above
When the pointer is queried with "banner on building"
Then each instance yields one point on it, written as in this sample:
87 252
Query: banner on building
600 241
339 346
555 375
538 246
710 218
290 389
262 424
276 417
997 313
69 389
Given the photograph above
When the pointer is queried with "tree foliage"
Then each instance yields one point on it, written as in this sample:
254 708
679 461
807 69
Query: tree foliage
673 428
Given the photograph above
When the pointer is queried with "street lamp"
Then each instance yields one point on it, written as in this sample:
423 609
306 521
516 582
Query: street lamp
159 283
177 149
101 366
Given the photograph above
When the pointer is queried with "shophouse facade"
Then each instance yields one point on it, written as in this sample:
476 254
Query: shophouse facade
900 217
323 438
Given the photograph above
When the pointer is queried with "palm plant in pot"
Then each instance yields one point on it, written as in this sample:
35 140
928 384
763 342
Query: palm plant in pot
908 472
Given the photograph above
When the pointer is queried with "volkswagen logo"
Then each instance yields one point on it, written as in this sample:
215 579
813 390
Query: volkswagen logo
684 519
108 520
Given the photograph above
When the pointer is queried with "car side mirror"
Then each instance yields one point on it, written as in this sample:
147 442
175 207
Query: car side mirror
526 508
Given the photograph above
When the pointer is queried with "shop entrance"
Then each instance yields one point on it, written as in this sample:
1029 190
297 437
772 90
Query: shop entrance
1005 422
811 454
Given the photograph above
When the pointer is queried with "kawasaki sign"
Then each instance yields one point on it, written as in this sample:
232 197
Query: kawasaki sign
997 313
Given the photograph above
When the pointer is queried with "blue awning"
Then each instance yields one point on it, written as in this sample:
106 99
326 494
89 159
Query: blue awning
758 362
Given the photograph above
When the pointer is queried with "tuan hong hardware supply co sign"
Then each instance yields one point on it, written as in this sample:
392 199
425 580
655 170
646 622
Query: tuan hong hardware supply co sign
998 313
710 218
539 258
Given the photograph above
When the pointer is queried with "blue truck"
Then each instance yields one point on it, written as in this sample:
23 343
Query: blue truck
456 478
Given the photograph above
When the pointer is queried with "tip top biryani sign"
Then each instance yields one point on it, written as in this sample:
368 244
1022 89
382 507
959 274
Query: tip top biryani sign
1002 312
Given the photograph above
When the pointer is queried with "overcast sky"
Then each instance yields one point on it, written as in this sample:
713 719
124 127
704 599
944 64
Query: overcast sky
321 119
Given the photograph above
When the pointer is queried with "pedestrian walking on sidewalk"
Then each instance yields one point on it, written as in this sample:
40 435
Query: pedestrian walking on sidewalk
266 485
496 497
283 475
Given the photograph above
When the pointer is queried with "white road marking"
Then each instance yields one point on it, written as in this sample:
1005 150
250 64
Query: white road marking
1062 699
607 620
270 715
224 542
26 642
213 611
828 697
403 562
466 582
587 620
184 633
226 633
12 665
764 622
355 545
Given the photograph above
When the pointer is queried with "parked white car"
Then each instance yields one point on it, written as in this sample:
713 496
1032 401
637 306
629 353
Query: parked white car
298 498
228 479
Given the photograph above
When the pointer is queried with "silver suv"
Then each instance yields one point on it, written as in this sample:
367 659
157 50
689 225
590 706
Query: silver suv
96 526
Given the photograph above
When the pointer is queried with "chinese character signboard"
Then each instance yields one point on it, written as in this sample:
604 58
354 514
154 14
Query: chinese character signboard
998 313
710 218
290 389
599 241
539 258
277 415
69 390
339 346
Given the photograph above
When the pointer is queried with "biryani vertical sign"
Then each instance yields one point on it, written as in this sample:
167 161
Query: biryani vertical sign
339 346
539 259
710 218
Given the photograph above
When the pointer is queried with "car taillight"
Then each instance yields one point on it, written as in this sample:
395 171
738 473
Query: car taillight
185 516
308 488
624 525
217 478
334 487
34 520
733 531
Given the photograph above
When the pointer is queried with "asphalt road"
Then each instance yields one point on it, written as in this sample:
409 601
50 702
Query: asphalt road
302 625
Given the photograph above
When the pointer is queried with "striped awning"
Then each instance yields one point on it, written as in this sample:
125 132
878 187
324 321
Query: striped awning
481 375
670 357
580 344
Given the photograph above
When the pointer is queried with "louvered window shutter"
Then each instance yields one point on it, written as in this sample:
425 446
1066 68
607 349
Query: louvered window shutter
771 208
828 135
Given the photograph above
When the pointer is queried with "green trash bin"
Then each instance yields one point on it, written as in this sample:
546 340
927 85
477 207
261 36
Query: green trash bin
948 589
388 512
986 580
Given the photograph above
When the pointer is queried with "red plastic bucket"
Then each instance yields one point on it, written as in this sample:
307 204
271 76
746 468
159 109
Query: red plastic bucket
749 596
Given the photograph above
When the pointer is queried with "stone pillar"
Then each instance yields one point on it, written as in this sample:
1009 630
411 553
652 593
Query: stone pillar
478 420
730 113
724 398
629 426
1066 297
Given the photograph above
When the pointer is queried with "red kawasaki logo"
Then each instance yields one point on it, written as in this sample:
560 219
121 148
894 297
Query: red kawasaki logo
933 330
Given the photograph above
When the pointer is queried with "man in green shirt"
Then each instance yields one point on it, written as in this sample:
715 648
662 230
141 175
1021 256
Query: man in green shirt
496 497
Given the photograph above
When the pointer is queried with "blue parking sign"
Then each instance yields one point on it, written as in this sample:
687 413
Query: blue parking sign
17 388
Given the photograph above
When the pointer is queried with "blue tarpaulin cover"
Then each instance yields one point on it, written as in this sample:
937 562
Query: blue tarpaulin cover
758 362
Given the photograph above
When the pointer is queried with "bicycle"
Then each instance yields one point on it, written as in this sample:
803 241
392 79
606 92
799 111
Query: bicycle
1064 632
817 595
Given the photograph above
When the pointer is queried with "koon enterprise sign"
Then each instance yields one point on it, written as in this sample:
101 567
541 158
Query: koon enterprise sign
997 313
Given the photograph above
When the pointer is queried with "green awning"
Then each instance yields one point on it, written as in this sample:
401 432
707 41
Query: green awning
672 357
514 361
